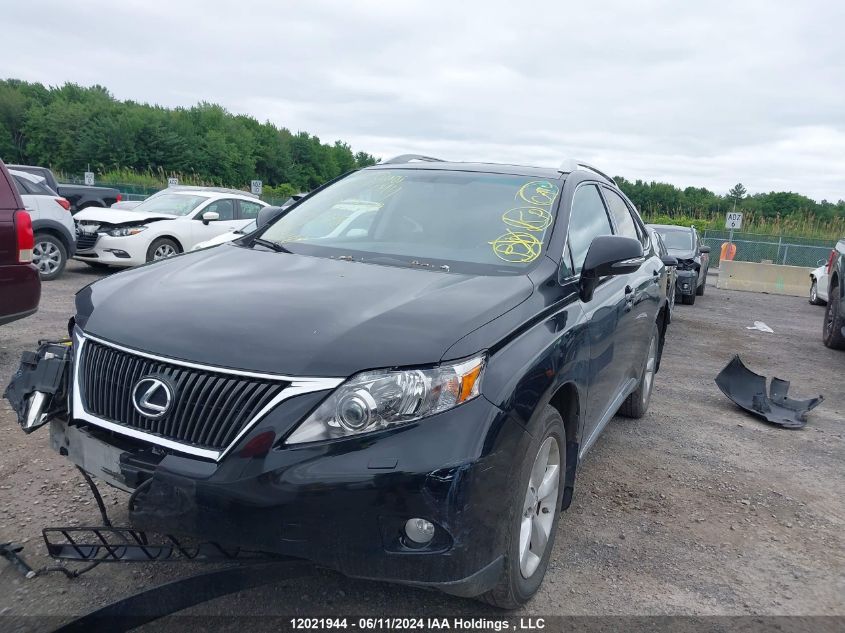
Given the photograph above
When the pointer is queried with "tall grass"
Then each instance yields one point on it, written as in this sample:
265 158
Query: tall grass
794 225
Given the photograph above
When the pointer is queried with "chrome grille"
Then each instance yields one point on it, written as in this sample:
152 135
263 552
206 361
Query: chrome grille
209 409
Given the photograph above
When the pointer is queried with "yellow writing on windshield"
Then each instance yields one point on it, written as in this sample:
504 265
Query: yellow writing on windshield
528 218
521 245
517 247
540 192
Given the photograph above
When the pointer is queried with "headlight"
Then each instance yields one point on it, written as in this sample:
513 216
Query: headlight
127 230
375 400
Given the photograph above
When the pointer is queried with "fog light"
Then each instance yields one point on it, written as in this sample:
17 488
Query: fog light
419 531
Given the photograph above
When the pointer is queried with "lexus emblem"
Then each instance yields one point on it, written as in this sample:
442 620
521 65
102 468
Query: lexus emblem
152 397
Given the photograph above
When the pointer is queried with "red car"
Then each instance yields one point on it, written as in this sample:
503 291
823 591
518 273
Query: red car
20 286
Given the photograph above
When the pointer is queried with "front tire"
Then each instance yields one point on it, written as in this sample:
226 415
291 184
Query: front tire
162 248
834 321
814 294
688 299
636 404
534 514
49 255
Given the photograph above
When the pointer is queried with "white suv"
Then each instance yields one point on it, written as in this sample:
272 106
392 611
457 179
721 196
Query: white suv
170 222
52 223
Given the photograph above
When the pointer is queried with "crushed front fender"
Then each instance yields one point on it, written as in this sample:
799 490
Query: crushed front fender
748 390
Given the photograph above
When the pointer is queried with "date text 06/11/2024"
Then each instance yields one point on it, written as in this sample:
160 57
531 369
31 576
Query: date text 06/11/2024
424 624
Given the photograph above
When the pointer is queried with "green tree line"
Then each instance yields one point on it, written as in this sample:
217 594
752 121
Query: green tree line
779 213
71 127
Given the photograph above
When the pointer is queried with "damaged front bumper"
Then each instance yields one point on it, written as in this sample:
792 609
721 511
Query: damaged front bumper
38 391
342 504
686 283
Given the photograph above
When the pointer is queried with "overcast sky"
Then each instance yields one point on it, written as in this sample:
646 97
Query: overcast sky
693 93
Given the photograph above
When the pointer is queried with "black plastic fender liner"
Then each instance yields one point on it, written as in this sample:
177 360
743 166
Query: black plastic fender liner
152 604
38 389
748 390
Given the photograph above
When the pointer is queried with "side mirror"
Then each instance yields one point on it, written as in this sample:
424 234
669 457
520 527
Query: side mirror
609 255
267 215
668 260
210 216
704 249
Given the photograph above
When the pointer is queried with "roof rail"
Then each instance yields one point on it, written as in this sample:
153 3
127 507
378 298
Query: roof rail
407 158
568 166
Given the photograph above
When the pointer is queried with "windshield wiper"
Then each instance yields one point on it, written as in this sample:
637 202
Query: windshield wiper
275 246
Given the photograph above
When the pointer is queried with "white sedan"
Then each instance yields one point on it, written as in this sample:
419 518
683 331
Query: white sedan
170 222
818 286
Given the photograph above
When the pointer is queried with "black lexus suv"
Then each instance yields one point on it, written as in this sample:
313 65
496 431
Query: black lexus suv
397 378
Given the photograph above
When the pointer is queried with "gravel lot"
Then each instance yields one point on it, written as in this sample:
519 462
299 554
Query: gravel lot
696 509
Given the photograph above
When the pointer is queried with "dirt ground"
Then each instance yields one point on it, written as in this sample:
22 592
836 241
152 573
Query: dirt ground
696 509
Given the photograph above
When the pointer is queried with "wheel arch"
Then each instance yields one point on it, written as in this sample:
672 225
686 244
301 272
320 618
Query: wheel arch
567 401
57 230
171 237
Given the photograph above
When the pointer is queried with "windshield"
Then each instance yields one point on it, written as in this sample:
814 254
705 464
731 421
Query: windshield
170 203
679 240
475 222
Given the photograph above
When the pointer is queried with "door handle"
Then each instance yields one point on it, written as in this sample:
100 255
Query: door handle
629 298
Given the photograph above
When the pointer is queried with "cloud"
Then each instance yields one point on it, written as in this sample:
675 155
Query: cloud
703 95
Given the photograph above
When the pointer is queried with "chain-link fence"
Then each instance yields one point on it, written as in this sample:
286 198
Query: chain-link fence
753 247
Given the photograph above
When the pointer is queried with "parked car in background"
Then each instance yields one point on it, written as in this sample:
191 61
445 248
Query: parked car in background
55 233
819 281
671 266
226 237
165 224
20 285
834 316
406 400
79 196
693 257
270 213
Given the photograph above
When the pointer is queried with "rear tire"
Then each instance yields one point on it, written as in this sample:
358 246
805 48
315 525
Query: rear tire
162 248
834 321
49 255
699 290
636 404
534 514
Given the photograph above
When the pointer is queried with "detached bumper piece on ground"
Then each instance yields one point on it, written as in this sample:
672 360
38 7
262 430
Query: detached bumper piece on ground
748 390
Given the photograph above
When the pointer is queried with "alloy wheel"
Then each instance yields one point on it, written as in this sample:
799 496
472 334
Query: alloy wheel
46 257
538 510
164 251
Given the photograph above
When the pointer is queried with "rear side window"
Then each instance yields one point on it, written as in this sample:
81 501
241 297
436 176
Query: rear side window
249 210
21 184
625 225
587 220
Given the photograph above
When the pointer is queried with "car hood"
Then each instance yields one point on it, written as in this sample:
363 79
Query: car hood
119 216
682 254
292 314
